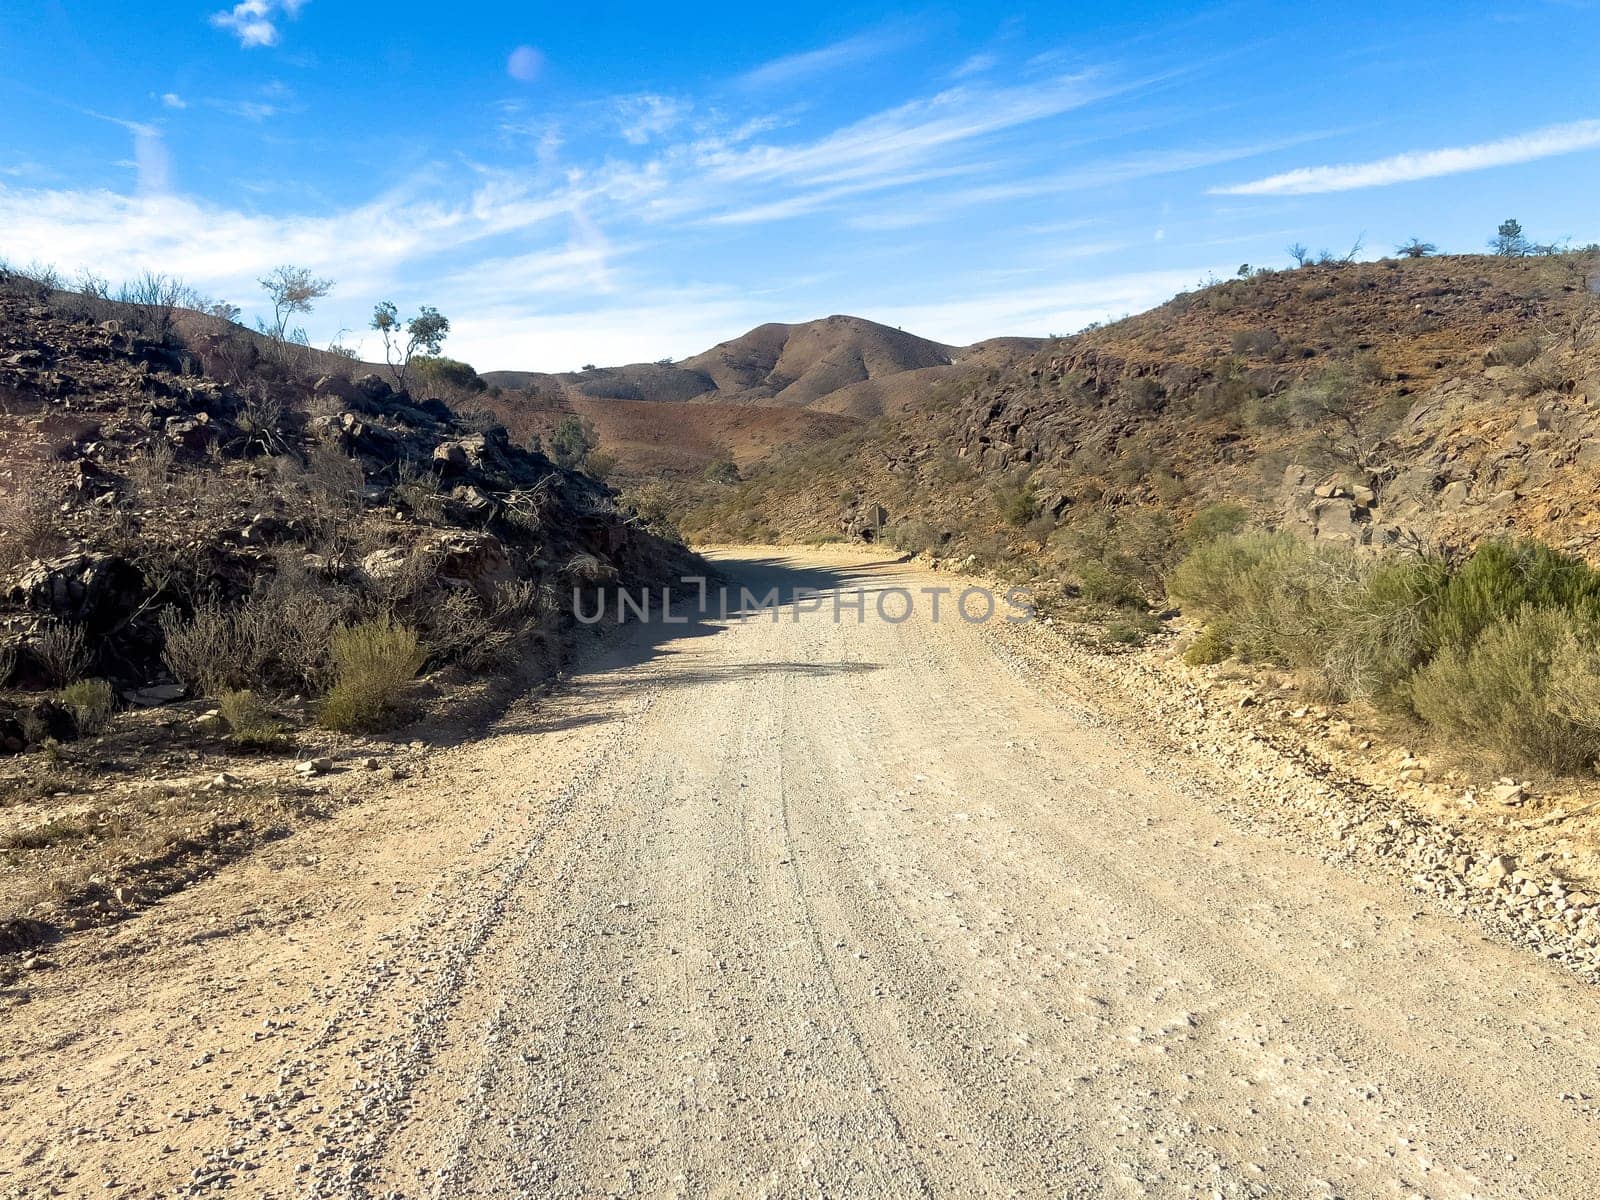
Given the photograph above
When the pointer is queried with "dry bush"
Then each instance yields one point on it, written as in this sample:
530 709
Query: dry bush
1497 694
226 353
373 666
154 296
457 629
63 652
261 420
587 568
149 474
326 495
482 635
276 641
31 523
418 490
91 702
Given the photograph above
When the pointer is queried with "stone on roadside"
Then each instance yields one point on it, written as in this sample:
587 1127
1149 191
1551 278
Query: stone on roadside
1509 793
1501 866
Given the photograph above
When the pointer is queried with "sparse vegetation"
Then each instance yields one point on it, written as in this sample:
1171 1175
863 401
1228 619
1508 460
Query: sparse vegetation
276 641
292 291
30 517
91 703
251 724
1496 652
572 442
63 651
406 339
1509 241
1515 352
723 471
374 663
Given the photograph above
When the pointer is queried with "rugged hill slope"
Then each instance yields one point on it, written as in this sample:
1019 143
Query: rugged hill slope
151 476
774 387
1439 398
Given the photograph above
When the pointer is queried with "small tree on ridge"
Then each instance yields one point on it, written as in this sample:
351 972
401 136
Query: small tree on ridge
403 340
292 290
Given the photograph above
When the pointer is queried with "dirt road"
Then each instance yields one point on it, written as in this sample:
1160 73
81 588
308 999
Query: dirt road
800 908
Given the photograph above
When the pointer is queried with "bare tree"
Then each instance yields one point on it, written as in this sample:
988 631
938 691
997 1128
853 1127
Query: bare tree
292 290
403 340
156 295
1416 248
1300 254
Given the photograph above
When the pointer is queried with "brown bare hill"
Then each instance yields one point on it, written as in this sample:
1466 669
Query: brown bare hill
776 387
786 366
649 437
804 366
1444 398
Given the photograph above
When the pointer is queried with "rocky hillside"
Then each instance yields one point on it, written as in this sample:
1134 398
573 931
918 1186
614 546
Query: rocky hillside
1440 399
152 481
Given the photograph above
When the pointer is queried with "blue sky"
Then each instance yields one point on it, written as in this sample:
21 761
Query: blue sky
620 182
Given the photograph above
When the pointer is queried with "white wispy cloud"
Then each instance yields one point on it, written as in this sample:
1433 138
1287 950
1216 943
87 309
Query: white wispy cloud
249 110
976 64
821 198
554 254
255 22
848 52
221 250
946 205
887 143
173 100
1035 312
644 117
1424 164
151 161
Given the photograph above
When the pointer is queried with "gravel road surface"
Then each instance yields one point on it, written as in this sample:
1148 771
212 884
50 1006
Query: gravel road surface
800 908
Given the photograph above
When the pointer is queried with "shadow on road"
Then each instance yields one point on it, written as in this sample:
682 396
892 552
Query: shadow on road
748 590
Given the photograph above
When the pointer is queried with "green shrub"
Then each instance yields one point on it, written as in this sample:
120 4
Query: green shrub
373 666
1226 579
91 702
1575 683
1131 629
1499 580
1353 625
1099 583
725 472
251 724
1496 692
1020 506
1382 637
1498 654
1207 648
